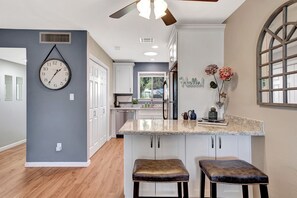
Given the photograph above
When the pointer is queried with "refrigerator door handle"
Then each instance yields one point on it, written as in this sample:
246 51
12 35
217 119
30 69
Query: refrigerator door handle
165 115
165 101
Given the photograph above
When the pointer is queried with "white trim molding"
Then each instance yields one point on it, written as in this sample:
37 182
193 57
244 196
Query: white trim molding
13 145
58 164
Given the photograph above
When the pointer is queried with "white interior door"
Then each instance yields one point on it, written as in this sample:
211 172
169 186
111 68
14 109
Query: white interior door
102 105
97 106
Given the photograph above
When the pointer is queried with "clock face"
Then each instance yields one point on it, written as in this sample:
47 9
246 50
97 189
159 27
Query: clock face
55 74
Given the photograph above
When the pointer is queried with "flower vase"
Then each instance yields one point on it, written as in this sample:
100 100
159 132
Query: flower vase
220 110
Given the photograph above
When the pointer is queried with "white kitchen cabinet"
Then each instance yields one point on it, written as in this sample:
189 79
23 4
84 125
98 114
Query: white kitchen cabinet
147 144
200 147
123 76
152 147
169 147
149 114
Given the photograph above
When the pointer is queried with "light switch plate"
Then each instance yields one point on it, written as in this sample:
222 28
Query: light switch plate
71 96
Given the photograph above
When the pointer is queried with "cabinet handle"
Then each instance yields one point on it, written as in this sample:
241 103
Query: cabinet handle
152 141
158 141
212 142
220 143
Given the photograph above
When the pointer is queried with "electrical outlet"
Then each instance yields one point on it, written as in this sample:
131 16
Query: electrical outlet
59 147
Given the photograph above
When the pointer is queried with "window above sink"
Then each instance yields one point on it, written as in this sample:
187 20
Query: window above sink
150 85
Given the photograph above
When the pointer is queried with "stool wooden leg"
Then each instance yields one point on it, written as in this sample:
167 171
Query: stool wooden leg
186 190
179 190
213 190
245 191
136 190
263 191
202 184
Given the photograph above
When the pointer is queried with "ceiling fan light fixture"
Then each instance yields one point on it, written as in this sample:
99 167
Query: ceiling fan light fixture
160 6
144 8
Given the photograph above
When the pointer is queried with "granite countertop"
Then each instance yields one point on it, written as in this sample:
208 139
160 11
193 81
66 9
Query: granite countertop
135 108
236 126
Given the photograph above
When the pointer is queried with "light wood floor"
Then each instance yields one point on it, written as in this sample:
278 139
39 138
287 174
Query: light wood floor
104 178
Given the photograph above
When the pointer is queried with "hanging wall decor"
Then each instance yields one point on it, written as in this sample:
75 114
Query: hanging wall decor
55 73
277 58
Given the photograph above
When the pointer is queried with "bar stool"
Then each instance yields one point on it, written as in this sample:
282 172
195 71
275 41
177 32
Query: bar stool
170 170
233 172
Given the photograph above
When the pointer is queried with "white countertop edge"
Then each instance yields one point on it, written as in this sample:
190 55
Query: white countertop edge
245 133
236 126
135 108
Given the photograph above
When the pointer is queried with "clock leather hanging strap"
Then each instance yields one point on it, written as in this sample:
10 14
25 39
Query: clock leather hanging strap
54 47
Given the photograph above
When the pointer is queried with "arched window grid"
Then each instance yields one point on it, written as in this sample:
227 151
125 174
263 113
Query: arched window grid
272 85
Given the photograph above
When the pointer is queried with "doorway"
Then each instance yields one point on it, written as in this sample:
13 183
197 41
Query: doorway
12 97
97 106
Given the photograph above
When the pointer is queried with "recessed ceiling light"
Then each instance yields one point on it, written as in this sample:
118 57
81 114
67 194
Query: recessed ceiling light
152 59
155 46
150 53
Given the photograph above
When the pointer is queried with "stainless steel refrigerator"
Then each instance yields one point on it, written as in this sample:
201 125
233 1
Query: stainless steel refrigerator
170 95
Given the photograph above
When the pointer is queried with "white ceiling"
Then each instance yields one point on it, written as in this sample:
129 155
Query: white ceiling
93 16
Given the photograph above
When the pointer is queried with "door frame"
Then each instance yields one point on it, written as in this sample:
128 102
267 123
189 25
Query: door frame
24 51
91 57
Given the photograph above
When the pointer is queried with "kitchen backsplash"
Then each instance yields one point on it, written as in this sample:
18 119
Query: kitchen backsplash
124 98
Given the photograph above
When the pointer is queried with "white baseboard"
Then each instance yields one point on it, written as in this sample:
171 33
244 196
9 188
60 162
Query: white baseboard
12 145
58 164
112 136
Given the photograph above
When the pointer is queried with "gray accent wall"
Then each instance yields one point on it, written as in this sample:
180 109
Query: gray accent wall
51 117
149 67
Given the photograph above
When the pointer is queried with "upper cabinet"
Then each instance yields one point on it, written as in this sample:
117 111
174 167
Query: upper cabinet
123 76
172 48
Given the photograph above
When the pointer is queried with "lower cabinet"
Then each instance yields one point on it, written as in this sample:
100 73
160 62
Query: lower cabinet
152 147
200 147
190 149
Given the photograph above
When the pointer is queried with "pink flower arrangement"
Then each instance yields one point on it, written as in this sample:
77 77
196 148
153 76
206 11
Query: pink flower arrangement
211 69
225 74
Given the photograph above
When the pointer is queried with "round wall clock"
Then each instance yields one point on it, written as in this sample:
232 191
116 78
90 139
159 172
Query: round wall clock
55 74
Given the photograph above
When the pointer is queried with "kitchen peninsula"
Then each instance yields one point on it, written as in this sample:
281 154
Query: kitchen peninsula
189 141
119 115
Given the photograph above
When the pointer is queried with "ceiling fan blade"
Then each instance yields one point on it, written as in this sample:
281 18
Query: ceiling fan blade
124 10
203 0
168 19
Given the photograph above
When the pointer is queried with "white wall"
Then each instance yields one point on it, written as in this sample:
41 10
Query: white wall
280 145
198 47
12 113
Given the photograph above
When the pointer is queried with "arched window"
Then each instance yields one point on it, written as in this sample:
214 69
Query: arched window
277 58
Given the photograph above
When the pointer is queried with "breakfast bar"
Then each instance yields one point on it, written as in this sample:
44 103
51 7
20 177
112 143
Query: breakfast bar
189 141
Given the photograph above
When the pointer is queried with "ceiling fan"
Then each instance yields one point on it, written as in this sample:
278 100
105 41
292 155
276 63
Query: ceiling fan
167 17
